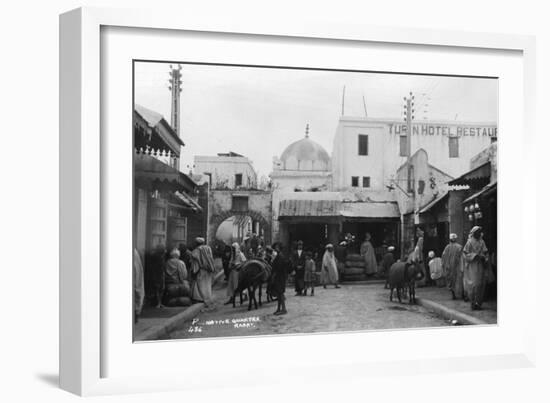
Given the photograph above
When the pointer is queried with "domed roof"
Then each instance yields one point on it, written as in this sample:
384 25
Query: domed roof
305 154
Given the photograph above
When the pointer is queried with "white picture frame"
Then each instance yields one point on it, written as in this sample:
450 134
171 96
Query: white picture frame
83 188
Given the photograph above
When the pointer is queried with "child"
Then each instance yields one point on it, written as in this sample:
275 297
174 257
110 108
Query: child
387 262
309 274
436 269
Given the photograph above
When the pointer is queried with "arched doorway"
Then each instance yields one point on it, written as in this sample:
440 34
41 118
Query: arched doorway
232 226
238 227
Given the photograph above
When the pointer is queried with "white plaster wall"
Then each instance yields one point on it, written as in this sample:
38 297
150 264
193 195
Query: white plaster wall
225 168
384 160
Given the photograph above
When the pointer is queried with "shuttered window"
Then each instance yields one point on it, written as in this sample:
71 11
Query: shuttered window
453 147
354 181
239 203
238 180
366 181
363 144
410 179
402 146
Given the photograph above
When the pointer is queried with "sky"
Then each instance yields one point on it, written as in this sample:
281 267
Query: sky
257 112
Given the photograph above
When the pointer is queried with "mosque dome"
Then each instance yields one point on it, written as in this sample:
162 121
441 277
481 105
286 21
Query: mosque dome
305 155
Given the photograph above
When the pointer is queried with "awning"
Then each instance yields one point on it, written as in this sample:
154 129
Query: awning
486 191
188 201
433 203
337 208
370 210
155 120
150 169
475 178
309 208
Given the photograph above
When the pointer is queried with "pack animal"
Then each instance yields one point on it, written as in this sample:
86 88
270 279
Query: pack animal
403 276
252 274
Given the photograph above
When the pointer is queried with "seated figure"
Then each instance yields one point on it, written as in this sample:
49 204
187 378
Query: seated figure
177 290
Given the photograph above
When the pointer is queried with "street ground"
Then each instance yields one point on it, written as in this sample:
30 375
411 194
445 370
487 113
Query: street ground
350 308
443 296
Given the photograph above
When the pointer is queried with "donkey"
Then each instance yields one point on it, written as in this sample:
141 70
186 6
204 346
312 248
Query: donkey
252 274
403 275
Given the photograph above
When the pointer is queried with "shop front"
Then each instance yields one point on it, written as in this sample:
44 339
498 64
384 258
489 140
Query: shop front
314 222
318 222
379 219
434 222
164 210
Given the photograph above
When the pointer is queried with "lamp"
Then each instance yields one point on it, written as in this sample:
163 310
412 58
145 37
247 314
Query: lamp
473 211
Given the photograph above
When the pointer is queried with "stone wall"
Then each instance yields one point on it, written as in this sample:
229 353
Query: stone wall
220 208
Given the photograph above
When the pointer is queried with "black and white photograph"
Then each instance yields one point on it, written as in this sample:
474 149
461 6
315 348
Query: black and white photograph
270 200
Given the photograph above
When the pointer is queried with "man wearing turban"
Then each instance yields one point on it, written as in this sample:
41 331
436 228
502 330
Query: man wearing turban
202 266
476 269
452 266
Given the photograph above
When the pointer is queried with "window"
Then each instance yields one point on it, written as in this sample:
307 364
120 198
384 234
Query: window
421 186
239 203
410 179
453 147
403 146
366 181
363 144
355 181
238 180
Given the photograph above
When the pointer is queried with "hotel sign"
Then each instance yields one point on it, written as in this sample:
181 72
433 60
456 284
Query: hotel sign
444 130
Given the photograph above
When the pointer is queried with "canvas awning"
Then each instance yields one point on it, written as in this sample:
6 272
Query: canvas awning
476 178
486 191
309 208
331 204
370 210
149 169
433 203
187 201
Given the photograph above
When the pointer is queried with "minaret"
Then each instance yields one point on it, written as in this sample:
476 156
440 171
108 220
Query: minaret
175 88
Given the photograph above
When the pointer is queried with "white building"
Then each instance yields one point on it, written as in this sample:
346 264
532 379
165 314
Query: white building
304 167
367 152
367 185
226 171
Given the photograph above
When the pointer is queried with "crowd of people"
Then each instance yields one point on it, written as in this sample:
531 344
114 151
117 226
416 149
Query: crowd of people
182 276
300 264
465 270
176 277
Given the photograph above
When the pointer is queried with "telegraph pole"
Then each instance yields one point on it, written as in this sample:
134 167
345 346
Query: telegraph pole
175 87
343 99
409 117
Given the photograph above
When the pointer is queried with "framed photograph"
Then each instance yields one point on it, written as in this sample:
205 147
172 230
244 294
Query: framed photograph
281 190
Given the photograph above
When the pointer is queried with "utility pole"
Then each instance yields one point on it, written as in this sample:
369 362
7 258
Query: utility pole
175 87
409 117
343 99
